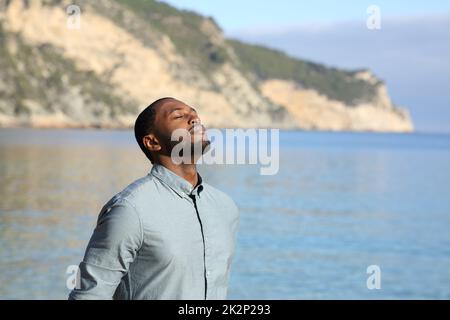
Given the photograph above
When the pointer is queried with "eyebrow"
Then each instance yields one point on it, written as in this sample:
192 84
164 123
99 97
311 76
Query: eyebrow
176 109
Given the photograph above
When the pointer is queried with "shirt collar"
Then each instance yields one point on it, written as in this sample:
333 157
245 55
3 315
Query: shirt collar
178 184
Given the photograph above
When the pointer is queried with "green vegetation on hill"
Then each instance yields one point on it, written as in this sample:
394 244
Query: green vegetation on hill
336 84
184 28
197 38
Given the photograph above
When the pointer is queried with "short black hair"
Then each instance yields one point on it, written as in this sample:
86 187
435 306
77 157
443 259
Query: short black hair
145 123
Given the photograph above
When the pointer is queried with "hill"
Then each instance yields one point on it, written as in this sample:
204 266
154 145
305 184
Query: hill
128 53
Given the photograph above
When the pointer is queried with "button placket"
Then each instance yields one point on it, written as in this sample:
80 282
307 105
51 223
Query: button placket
206 273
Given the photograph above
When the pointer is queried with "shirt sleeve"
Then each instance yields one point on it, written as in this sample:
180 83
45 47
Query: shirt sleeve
111 249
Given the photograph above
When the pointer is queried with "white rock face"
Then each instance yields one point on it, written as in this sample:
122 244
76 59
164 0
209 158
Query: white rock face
314 111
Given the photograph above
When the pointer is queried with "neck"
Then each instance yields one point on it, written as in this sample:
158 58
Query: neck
186 171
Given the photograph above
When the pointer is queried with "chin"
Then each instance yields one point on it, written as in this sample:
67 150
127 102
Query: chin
205 145
197 139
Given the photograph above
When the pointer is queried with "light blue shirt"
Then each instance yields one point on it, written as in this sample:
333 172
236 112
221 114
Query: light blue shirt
161 238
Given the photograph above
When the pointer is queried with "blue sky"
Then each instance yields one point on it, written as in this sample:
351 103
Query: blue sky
233 15
411 52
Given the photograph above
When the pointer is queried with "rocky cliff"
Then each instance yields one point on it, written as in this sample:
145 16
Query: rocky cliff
99 69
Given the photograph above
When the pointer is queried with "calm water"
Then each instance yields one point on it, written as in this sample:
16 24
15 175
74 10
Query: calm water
340 203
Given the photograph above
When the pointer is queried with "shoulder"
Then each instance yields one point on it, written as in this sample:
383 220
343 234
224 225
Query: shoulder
133 194
123 210
135 190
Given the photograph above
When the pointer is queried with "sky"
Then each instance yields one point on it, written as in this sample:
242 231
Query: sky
411 51
233 15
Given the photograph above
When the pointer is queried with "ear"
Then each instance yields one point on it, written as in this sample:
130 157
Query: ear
151 142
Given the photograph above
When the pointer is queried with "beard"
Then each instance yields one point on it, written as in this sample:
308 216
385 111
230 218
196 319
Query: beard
190 151
197 148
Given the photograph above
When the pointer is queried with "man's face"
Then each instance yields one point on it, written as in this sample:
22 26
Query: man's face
173 115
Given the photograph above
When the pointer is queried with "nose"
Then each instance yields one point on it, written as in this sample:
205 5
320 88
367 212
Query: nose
195 120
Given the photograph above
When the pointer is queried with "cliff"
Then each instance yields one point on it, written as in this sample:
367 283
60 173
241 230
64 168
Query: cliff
128 53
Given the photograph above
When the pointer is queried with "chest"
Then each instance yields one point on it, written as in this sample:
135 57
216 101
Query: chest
183 232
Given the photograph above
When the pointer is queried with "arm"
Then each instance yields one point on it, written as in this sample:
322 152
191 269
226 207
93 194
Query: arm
113 246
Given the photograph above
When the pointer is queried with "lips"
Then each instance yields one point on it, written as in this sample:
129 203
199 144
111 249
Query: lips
197 128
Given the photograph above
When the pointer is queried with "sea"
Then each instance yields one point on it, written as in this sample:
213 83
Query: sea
346 216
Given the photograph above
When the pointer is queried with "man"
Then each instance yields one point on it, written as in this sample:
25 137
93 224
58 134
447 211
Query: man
168 235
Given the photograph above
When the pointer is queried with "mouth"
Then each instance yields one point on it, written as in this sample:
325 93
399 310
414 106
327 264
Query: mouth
197 129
